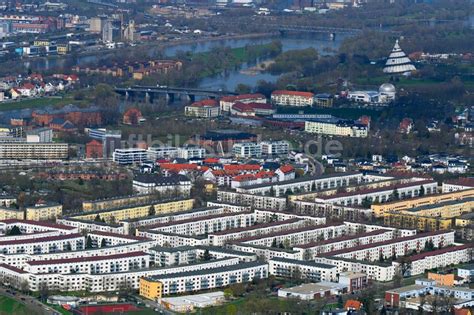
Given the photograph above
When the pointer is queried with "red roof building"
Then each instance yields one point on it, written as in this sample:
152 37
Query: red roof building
132 116
252 109
94 150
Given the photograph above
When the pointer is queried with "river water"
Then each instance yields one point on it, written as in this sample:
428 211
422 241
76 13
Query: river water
225 81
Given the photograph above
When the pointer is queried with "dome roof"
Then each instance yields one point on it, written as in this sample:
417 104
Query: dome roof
387 88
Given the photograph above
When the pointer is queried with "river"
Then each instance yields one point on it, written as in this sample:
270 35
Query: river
226 81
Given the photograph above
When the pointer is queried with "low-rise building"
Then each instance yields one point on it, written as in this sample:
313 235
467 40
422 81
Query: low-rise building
227 102
337 127
42 211
311 291
208 108
270 148
246 150
292 98
308 270
129 156
174 184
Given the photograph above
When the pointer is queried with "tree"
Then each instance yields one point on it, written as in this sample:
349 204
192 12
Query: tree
429 245
422 191
43 291
88 242
296 275
103 243
366 203
238 289
15 230
228 293
151 211
274 243
97 218
243 89
124 289
24 287
395 194
206 256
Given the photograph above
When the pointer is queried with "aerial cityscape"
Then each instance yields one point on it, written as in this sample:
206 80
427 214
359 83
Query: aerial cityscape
236 157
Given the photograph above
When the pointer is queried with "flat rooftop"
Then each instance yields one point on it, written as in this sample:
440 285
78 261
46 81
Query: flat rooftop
314 288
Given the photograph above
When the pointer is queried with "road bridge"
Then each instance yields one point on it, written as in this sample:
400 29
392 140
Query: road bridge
149 93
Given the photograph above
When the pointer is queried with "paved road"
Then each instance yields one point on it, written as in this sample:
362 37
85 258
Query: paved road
315 167
30 302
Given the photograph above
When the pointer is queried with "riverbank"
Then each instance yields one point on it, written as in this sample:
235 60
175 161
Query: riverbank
260 68
102 53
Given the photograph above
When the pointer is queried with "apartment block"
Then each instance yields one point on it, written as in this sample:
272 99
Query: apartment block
308 270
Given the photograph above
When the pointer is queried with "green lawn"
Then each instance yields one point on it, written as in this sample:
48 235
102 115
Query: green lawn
35 103
11 306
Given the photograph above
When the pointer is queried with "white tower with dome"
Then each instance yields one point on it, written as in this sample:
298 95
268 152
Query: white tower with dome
387 93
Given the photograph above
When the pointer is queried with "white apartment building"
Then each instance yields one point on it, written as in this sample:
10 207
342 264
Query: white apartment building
129 156
34 151
102 281
202 111
212 278
292 98
151 221
267 252
112 239
281 147
313 249
457 185
373 270
19 260
91 265
205 225
30 227
161 152
50 244
173 240
255 201
153 183
191 152
184 255
440 258
263 216
90 226
229 207
221 238
395 247
246 150
296 236
356 227
336 127
304 184
382 194
331 210
309 270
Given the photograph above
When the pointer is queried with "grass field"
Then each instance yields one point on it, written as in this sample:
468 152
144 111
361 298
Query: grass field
11 306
